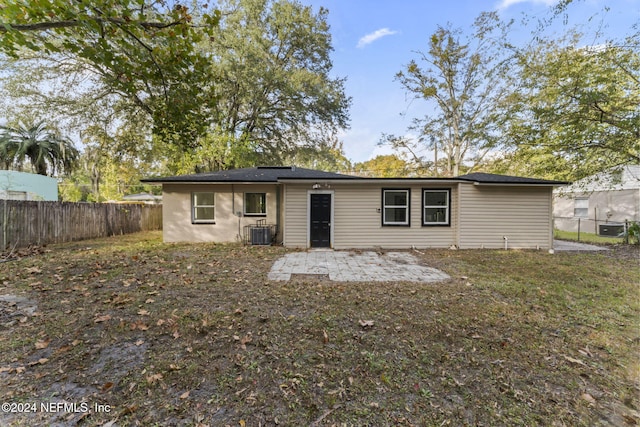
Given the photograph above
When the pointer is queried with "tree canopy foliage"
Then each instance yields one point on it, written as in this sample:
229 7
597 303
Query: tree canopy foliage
275 89
561 107
144 51
578 107
384 166
180 89
463 78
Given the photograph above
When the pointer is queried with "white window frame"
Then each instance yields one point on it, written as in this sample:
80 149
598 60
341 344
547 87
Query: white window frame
194 207
255 213
584 209
385 206
447 208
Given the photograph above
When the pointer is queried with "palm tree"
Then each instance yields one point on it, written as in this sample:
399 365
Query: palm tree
38 144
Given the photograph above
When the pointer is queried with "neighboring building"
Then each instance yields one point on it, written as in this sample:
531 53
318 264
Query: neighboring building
599 204
145 198
16 185
303 208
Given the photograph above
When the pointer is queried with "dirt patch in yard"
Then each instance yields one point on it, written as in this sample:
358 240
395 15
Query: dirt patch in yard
196 335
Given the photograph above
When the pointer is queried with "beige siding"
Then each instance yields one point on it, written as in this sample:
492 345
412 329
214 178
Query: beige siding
295 216
228 227
357 221
488 213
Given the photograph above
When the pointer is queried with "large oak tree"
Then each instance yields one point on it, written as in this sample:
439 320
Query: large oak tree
463 81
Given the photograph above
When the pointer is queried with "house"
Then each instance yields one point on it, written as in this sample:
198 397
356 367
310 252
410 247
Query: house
16 185
303 208
146 198
601 203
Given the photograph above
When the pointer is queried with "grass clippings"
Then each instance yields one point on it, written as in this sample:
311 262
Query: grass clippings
146 333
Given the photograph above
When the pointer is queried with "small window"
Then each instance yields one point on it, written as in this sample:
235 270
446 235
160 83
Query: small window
395 207
255 204
581 207
203 207
435 205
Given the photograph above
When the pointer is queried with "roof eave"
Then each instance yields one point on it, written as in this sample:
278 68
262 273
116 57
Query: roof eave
519 184
231 181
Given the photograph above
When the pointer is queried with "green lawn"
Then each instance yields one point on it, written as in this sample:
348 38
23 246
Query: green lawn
587 237
195 335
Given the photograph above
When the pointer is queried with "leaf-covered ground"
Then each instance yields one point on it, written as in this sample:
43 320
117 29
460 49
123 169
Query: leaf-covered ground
146 333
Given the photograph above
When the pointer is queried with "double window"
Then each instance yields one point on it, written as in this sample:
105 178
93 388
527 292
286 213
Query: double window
255 204
203 207
435 207
395 207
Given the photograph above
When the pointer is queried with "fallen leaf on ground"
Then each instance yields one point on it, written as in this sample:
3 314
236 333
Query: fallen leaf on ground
245 340
138 325
366 323
576 361
103 318
154 378
42 344
184 395
588 398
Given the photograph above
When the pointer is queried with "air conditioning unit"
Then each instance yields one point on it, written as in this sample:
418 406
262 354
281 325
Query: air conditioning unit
261 235
614 230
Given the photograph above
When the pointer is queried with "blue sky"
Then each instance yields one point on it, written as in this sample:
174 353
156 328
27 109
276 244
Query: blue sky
374 39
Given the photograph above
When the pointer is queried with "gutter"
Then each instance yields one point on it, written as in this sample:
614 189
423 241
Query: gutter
403 181
518 184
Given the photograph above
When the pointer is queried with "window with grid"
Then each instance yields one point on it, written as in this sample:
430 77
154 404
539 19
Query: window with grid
203 207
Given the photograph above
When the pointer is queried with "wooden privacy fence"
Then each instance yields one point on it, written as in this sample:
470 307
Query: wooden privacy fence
24 223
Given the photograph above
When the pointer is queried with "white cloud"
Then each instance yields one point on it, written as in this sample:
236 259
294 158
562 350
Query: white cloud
371 37
504 4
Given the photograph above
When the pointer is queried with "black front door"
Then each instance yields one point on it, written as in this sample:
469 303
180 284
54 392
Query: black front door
320 217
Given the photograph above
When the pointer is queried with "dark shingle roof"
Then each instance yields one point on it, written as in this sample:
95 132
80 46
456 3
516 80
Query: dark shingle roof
257 174
489 178
277 173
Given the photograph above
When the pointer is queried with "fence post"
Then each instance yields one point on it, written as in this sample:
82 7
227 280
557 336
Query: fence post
4 225
578 229
626 231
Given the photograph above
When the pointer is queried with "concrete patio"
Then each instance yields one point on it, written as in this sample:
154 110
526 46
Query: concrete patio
347 266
